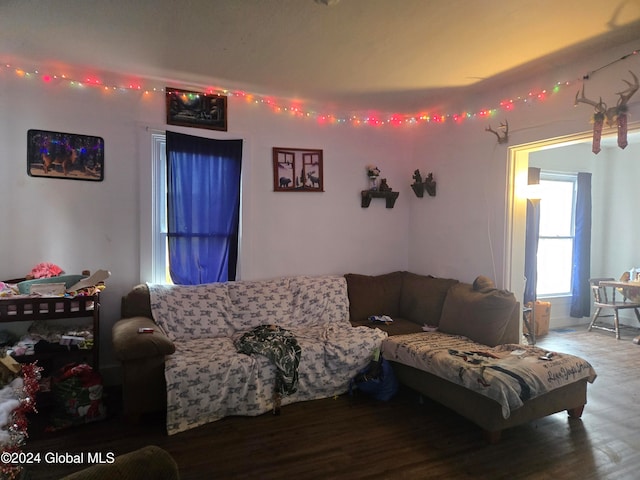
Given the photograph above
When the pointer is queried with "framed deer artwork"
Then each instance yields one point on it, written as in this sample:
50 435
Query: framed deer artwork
65 155
297 170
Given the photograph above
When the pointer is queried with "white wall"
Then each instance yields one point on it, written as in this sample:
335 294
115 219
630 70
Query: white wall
82 225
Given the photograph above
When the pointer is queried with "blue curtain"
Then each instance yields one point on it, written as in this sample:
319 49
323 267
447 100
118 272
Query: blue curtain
203 208
581 266
531 241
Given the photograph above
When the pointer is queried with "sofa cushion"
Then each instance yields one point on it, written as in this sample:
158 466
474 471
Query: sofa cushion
261 302
319 300
373 295
136 303
422 297
481 315
481 282
188 312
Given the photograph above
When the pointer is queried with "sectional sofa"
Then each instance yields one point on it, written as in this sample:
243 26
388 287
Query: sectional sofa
448 340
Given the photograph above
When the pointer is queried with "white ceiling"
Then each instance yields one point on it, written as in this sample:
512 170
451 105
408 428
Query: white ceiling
391 55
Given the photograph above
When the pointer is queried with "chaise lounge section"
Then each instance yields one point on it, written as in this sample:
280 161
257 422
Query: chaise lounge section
471 361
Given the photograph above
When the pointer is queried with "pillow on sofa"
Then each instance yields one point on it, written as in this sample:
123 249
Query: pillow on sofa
481 315
187 312
373 295
422 297
261 302
137 303
481 282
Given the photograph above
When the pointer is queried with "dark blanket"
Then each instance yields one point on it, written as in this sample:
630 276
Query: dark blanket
281 347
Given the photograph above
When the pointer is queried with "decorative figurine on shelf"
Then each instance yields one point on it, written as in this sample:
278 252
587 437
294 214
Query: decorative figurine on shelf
383 186
373 173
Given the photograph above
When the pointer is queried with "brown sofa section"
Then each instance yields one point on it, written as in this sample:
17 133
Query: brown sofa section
480 314
142 355
480 311
422 298
373 295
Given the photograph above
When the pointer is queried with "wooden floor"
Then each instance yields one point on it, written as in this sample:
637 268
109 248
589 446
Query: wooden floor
354 437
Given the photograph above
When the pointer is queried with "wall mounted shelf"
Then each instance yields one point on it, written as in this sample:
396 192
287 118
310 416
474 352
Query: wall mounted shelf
367 195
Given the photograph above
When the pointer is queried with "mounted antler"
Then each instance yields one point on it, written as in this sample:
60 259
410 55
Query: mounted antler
501 139
612 115
621 109
600 107
628 93
598 118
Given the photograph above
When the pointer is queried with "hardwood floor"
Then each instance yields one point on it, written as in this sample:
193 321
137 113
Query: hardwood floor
406 438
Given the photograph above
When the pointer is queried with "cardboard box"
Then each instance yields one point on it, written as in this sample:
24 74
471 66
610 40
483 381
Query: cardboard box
541 318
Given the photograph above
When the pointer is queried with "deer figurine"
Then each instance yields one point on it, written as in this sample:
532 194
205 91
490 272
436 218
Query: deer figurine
611 115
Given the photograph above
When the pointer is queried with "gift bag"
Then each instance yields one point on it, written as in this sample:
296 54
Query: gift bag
376 380
77 396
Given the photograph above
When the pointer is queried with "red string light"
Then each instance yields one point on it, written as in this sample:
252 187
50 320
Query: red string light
297 109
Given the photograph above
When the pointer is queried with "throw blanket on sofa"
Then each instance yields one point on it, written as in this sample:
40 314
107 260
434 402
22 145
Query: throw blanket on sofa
509 374
208 379
281 347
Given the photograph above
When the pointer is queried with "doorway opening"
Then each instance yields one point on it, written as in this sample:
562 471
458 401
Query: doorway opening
520 157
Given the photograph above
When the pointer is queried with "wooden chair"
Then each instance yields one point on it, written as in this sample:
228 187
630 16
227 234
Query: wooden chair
605 297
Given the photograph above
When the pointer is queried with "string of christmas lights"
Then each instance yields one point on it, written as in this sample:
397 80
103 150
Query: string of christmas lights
296 109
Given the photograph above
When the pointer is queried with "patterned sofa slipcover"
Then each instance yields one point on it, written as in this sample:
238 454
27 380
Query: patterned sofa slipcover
207 378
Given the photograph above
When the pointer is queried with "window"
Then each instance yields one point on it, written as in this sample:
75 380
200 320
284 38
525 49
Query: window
556 234
195 208
159 252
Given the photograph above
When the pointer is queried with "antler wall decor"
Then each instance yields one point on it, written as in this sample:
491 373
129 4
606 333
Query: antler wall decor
612 115
505 136
419 186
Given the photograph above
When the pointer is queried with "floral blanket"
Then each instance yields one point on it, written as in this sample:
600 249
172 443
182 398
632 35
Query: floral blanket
509 374
208 379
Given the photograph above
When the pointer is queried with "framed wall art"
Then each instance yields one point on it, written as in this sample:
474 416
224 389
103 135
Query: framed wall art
196 109
65 155
297 170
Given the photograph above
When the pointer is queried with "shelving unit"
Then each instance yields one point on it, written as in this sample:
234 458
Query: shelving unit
367 195
30 309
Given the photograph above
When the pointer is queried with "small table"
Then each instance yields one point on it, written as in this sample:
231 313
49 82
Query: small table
632 289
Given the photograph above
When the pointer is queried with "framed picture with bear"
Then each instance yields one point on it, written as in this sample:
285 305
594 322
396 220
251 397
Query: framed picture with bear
297 170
